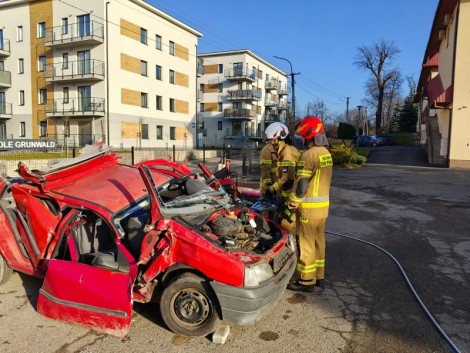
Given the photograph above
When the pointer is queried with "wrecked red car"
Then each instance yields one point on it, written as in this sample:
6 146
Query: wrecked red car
103 235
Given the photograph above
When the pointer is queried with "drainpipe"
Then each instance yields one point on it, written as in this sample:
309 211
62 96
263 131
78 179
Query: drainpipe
108 139
453 80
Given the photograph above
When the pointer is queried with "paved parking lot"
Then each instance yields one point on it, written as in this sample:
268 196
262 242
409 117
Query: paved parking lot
418 214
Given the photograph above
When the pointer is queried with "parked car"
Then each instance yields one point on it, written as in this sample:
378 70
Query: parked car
367 141
387 139
104 235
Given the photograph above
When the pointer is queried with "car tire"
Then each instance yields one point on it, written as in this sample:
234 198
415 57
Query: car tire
5 271
189 307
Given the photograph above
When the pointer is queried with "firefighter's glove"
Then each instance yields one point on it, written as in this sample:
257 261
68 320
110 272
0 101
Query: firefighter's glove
268 193
286 212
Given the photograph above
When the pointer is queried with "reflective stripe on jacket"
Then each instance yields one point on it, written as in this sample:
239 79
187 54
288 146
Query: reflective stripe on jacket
268 166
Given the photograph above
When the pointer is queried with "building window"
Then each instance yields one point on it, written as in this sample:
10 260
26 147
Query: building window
172 105
159 132
158 72
159 103
143 100
65 94
2 65
219 125
19 33
201 108
221 68
260 74
221 86
143 68
65 25
65 61
84 25
21 66
42 63
201 87
143 36
172 48
172 133
43 128
267 77
172 76
145 131
158 42
22 129
41 29
42 96
220 106
21 98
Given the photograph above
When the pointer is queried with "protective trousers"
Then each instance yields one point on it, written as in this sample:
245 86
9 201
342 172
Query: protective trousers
311 247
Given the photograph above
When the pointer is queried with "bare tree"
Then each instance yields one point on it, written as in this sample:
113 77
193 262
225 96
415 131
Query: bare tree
377 58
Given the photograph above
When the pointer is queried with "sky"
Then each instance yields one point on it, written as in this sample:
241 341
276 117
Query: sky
319 38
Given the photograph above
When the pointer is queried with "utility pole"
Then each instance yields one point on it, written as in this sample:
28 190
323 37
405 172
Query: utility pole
359 107
290 125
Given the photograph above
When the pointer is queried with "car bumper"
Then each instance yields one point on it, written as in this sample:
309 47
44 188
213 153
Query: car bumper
244 306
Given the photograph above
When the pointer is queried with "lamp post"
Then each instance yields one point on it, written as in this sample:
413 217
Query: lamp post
359 107
292 80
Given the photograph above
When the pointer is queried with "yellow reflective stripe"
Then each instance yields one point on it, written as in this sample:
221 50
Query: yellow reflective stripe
295 198
315 204
306 269
316 199
320 263
286 194
267 181
274 170
316 183
287 164
325 160
276 186
265 161
304 173
303 220
301 163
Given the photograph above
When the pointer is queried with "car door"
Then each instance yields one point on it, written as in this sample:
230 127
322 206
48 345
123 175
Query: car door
36 223
95 297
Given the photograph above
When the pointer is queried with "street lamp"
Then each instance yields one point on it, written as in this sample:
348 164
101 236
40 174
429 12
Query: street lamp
359 107
292 80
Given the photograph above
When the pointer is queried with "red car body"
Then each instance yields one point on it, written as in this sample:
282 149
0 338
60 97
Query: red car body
104 234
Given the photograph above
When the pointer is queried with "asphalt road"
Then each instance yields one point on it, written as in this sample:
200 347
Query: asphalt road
418 214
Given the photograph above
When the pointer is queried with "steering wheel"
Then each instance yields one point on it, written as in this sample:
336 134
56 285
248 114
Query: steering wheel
179 183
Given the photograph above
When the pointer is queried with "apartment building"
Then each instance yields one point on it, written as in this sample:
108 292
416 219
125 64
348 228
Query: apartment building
443 91
239 95
119 71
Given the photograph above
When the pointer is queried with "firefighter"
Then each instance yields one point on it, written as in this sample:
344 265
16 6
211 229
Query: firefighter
287 156
268 166
310 200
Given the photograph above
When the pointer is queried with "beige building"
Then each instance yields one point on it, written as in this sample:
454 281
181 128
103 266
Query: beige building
239 95
443 91
91 70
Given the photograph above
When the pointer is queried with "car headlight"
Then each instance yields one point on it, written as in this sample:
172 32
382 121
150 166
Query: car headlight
257 273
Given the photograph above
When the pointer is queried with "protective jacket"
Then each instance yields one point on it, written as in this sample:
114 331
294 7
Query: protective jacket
312 184
287 160
268 166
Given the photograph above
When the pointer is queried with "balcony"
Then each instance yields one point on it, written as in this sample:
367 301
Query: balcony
4 48
239 114
282 90
283 106
5 79
240 75
270 85
270 118
199 95
5 110
242 94
74 34
75 108
81 70
270 102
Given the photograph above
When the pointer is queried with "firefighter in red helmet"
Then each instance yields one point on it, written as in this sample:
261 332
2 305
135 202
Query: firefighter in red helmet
310 199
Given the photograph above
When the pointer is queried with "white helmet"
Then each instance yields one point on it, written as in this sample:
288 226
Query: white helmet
276 130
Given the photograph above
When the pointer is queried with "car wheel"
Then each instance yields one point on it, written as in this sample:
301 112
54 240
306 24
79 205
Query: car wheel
188 306
5 271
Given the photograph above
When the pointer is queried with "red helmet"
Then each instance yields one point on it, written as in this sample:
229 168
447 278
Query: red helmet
309 127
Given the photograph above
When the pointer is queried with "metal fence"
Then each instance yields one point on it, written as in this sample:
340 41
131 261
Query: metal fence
39 159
